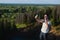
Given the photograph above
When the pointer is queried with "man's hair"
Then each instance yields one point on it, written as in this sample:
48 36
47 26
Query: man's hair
47 15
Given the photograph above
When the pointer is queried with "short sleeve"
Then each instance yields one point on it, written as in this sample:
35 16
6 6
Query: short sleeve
49 23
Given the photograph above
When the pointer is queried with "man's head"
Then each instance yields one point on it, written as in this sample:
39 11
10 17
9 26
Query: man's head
45 17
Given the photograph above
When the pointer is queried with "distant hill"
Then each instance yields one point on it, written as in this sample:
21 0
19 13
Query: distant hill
1 4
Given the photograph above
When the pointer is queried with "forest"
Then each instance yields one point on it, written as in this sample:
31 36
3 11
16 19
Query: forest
20 19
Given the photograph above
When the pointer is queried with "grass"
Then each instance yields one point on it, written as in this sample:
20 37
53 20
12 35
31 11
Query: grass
21 25
56 30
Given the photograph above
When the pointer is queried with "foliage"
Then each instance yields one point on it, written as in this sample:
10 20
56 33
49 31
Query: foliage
21 25
13 14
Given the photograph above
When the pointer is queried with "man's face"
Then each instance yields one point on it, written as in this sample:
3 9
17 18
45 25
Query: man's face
45 16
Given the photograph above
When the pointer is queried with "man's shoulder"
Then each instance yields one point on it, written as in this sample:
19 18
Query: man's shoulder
49 22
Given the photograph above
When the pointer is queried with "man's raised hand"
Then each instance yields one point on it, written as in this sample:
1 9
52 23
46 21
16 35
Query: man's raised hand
36 16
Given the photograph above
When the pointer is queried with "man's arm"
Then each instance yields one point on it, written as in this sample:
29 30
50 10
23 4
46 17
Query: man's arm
38 20
50 26
46 23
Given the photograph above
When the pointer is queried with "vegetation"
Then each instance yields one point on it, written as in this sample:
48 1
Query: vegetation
21 25
14 17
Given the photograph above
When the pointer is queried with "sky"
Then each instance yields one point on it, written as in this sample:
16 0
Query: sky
30 1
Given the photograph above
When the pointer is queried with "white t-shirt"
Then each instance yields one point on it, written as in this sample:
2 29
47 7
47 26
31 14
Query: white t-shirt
45 29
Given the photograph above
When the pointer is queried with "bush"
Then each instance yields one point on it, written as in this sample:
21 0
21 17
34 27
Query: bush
21 25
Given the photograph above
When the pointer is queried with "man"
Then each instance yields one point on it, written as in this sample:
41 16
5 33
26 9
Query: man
45 26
